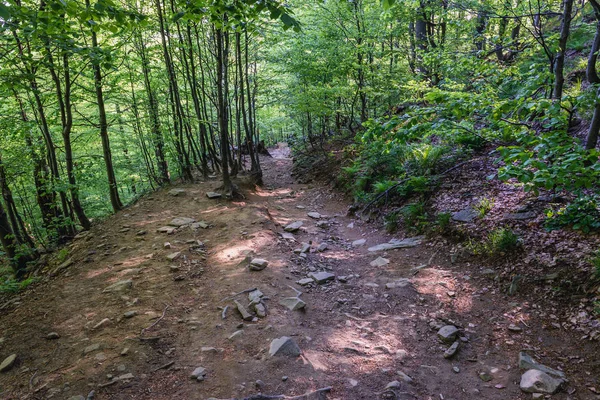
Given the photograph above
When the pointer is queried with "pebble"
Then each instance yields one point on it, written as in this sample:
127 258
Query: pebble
258 264
314 215
456 369
91 348
236 334
321 277
404 377
52 336
293 227
292 303
514 328
102 323
246 316
452 350
8 363
305 281
173 256
181 221
119 286
130 314
176 192
379 262
213 195
359 242
322 247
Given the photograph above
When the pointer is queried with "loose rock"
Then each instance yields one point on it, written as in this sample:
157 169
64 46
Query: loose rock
535 381
379 262
181 221
448 333
452 350
526 362
176 192
52 336
293 303
213 195
258 264
293 227
284 346
398 244
359 242
173 256
120 286
466 215
199 374
8 363
246 316
314 215
321 277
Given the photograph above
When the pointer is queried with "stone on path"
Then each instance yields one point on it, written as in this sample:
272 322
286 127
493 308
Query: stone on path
8 363
379 262
305 281
91 348
258 264
102 323
314 215
288 236
235 334
398 244
404 377
284 346
400 283
448 333
255 296
78 397
260 309
292 303
199 374
246 316
130 314
173 256
466 215
322 247
321 277
169 230
52 336
359 242
181 221
119 286
535 381
176 192
452 350
526 362
200 224
213 195
293 227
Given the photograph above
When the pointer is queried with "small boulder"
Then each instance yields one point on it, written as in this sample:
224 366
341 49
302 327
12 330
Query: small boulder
466 215
448 333
314 215
321 277
181 221
120 286
284 346
213 195
293 303
199 374
258 264
322 247
246 316
379 262
526 362
359 242
176 192
535 381
293 227
452 350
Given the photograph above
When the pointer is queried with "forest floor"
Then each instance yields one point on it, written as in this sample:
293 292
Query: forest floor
370 326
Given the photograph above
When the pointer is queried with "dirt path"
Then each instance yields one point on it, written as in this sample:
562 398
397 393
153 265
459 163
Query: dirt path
358 333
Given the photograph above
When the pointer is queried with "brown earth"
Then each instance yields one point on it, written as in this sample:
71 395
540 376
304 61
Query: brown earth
355 335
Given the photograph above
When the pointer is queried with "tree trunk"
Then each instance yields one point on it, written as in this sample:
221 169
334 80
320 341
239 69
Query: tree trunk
559 61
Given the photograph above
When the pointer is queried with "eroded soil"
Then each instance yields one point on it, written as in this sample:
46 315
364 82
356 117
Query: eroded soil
355 333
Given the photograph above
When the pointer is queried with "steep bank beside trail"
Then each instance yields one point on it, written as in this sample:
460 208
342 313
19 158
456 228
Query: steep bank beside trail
370 332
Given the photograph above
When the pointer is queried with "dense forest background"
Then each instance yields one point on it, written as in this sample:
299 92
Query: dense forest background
104 101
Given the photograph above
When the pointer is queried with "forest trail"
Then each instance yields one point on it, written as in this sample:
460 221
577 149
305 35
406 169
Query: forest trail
371 326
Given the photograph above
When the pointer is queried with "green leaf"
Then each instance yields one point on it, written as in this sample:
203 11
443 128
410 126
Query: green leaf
4 12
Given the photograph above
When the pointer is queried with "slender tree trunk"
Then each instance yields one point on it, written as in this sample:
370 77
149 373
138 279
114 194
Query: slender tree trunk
559 61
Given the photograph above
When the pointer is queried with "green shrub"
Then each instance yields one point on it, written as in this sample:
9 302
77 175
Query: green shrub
415 217
582 214
484 206
391 222
498 242
442 221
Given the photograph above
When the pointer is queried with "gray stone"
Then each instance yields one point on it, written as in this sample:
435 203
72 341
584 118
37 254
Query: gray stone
452 350
314 215
102 323
199 374
173 256
130 314
213 195
379 262
258 264
535 381
78 397
8 363
181 221
537 396
400 283
284 346
91 348
292 303
448 333
393 385
288 236
176 192
456 370
260 309
305 281
293 227
514 328
466 215
321 277
120 286
526 362
235 334
398 244
246 316
125 377
485 376
322 247
359 242
200 224
404 377
52 336
169 230
305 248
255 296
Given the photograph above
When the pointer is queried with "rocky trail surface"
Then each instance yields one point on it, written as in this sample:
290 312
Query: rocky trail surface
183 296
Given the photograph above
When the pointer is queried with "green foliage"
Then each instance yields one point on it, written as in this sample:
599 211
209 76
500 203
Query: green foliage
582 214
595 261
391 221
442 221
499 242
415 217
484 206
